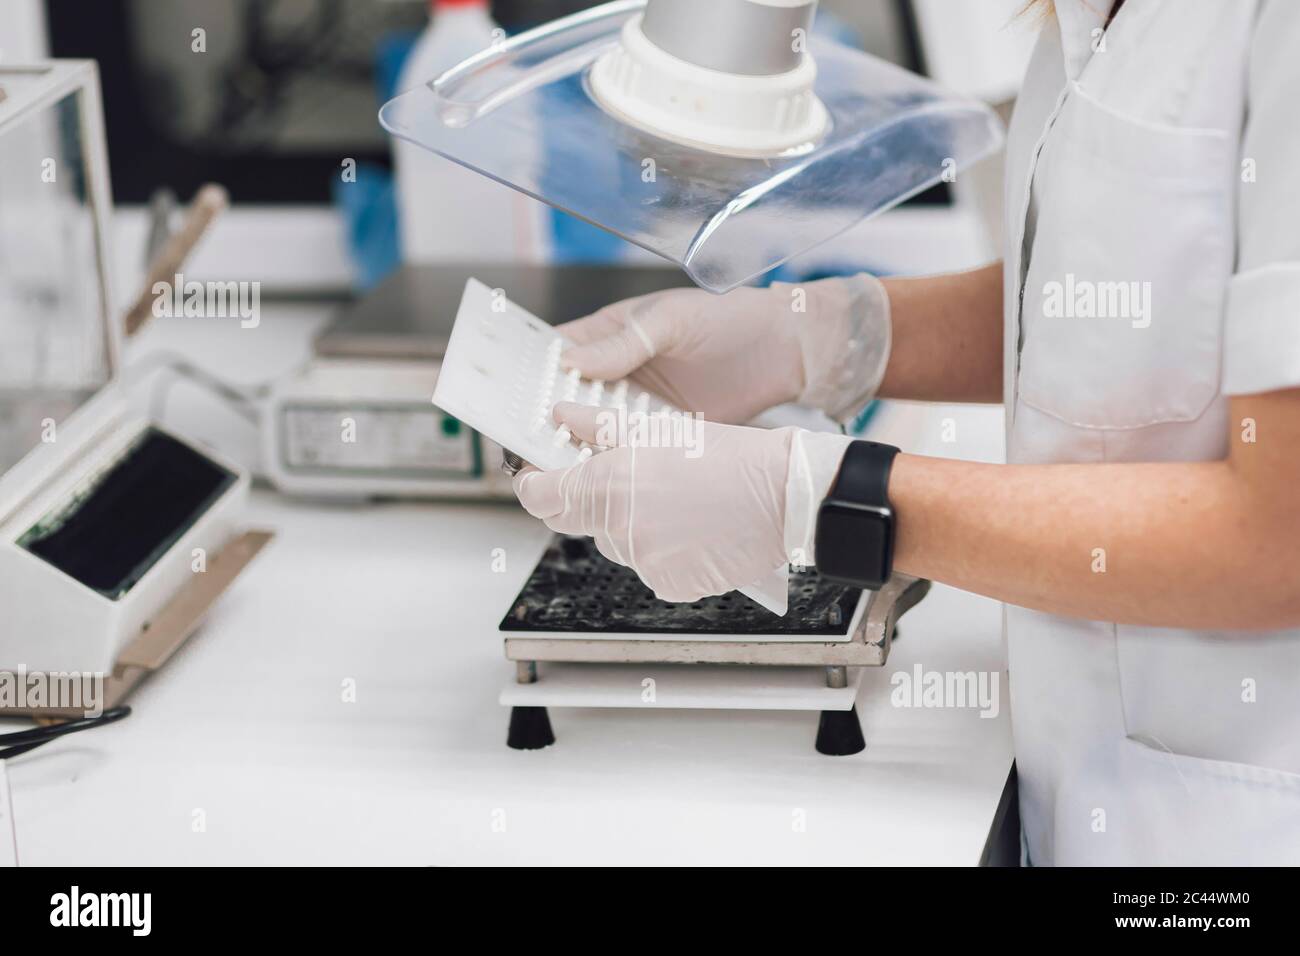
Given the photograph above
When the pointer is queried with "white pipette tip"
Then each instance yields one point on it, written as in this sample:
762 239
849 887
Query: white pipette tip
571 382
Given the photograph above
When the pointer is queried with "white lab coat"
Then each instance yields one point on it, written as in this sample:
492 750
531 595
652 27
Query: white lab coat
1169 157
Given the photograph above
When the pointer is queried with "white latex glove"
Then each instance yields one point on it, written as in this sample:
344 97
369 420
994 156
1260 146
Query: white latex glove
704 517
729 357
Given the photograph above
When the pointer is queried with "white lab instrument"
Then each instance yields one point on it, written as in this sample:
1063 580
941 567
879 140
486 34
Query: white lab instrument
115 535
356 421
364 427
734 146
502 376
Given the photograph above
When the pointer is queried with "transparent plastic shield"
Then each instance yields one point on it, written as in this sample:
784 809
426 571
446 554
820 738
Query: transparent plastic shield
522 114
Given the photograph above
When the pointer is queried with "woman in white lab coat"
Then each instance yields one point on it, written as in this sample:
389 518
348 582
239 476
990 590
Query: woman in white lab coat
1143 332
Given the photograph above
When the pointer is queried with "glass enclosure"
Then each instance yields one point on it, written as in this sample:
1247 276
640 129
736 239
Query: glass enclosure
54 353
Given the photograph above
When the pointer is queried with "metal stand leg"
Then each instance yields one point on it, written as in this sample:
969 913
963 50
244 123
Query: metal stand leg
530 727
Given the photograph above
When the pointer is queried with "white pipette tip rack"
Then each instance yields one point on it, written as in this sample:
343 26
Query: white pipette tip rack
502 374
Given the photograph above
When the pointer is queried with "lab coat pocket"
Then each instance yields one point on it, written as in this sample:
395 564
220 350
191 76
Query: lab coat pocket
1153 807
1132 252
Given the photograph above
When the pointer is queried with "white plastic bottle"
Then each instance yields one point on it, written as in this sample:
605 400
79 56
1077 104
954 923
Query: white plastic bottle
447 213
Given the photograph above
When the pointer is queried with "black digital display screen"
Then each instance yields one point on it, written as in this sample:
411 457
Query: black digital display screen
112 533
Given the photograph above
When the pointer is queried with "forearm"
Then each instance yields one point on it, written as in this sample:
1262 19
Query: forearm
1183 544
947 337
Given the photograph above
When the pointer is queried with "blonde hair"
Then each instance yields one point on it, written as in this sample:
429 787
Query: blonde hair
1046 9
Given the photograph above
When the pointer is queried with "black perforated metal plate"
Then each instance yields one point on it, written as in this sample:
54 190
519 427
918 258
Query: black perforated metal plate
574 589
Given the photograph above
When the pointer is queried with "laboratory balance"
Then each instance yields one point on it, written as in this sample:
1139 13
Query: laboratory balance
585 631
116 535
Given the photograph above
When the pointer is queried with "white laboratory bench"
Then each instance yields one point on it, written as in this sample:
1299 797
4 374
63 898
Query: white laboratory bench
243 749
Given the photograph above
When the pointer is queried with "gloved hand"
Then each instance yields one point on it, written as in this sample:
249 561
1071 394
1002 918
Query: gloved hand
729 357
700 512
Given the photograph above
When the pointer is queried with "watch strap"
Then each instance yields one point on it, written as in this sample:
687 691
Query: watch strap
863 477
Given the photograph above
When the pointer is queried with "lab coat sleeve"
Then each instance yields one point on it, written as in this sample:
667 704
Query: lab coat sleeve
1261 349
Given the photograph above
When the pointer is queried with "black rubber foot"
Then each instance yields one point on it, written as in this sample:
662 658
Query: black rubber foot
839 734
530 729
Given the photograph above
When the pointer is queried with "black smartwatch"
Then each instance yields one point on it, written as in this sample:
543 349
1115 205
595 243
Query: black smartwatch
854 540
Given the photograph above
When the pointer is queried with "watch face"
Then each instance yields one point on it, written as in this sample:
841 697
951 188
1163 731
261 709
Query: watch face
853 543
